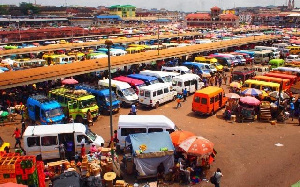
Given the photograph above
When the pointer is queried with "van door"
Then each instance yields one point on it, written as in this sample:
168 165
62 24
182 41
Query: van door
167 95
160 96
49 147
193 85
32 145
216 103
79 139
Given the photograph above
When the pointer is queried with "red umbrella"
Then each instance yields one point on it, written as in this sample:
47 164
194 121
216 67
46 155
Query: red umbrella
197 146
250 100
179 136
69 81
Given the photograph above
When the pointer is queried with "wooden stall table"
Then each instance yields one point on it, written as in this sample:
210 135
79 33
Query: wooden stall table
109 177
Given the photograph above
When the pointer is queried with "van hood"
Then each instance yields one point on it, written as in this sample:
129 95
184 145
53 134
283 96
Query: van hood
132 97
99 140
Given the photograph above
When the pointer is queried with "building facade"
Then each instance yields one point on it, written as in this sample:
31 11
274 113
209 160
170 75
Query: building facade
122 11
214 19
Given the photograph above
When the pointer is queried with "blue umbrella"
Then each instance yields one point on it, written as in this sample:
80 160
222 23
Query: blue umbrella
252 92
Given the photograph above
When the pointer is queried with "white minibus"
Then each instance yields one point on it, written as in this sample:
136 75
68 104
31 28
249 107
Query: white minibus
189 81
164 77
156 94
180 69
44 140
132 124
123 90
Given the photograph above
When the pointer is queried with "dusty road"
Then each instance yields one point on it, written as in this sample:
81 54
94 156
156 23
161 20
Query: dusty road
247 154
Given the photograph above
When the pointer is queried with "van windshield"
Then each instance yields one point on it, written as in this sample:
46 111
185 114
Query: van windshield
113 98
154 81
91 135
128 91
167 79
54 112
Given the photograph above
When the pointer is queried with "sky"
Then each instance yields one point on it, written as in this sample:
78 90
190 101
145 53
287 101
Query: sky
180 5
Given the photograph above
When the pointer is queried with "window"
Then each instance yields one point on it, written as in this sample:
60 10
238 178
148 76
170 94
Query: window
159 92
142 92
155 130
187 83
170 130
193 82
216 98
197 99
49 140
127 131
33 141
253 85
212 100
80 137
154 93
203 101
166 90
30 107
179 84
147 94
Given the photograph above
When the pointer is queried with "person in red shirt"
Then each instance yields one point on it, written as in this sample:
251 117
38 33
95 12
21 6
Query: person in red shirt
82 150
17 134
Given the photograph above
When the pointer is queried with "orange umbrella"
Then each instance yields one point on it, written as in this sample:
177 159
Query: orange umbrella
197 146
179 136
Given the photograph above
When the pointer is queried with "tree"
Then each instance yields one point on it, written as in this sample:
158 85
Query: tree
3 10
29 8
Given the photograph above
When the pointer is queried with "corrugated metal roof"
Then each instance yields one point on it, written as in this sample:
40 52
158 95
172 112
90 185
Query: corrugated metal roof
109 17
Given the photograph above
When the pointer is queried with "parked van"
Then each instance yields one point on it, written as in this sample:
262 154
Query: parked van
156 94
123 90
208 100
263 57
292 58
134 83
242 75
200 69
275 63
189 81
164 77
179 69
285 83
102 98
260 70
132 124
148 80
44 111
45 140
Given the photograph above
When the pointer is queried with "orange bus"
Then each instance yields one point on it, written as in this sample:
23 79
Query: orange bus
286 83
292 78
208 100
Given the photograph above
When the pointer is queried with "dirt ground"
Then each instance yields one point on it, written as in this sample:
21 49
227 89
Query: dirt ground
247 154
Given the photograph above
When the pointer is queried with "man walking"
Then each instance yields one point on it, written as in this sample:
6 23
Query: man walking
17 134
178 100
184 92
218 176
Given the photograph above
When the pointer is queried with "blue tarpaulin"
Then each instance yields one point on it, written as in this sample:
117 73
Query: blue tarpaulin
154 141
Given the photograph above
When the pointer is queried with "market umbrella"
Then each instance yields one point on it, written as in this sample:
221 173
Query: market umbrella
69 81
275 94
235 85
250 100
232 96
179 136
252 92
197 146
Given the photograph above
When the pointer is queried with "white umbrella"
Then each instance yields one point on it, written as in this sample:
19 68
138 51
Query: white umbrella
275 94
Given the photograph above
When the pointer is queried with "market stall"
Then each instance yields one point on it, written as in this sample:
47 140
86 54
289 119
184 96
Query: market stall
149 150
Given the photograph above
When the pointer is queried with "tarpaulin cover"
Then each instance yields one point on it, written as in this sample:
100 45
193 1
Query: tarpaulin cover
154 142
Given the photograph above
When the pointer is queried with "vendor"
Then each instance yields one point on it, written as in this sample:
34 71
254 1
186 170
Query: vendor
93 148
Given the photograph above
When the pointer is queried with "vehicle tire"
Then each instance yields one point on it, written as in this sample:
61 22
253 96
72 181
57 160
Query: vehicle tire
156 105
79 119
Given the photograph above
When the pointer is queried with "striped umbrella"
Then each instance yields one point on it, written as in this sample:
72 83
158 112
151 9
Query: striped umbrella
252 92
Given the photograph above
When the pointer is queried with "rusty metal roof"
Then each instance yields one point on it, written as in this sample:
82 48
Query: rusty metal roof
34 75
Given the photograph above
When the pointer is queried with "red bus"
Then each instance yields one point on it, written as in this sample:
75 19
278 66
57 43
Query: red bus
292 78
134 83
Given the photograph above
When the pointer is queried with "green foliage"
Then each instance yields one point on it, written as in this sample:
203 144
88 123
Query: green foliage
29 8
4 10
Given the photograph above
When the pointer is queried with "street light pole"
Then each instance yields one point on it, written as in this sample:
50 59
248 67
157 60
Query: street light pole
158 34
108 44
